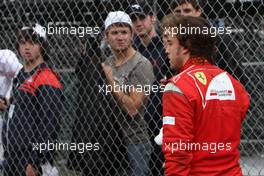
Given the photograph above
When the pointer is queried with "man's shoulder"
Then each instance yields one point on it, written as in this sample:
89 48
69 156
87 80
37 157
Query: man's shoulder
46 76
157 41
183 76
200 76
137 42
194 74
142 68
142 64
109 60
142 59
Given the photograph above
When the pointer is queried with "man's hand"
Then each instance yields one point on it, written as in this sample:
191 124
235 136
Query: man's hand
31 171
108 72
3 104
130 103
163 80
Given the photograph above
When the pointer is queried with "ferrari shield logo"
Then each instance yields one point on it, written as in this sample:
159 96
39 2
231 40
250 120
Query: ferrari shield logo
201 77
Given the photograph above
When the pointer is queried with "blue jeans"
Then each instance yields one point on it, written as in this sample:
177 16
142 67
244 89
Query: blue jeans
139 156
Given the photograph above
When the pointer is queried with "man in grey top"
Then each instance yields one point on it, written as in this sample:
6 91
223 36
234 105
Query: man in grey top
130 76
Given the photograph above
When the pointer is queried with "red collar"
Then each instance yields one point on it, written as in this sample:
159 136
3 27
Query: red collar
194 61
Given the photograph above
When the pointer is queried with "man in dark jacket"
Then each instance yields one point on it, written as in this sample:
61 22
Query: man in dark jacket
94 120
34 113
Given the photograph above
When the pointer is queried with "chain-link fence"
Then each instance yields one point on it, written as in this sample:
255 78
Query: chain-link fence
76 49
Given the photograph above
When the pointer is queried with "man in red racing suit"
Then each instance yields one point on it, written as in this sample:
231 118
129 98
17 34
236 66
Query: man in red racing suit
203 109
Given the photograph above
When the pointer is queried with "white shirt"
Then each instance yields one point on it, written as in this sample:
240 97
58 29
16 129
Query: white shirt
9 68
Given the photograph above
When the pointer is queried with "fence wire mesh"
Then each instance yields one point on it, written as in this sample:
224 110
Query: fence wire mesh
76 49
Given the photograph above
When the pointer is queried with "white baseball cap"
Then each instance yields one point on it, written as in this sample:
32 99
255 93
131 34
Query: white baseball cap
117 17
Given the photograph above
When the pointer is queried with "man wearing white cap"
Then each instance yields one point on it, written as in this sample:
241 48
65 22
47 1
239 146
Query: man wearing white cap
128 74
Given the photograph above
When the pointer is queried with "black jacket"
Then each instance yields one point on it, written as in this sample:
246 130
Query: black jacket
94 121
33 118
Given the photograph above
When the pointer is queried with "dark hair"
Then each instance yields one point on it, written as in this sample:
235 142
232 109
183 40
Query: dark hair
194 3
29 34
201 44
119 25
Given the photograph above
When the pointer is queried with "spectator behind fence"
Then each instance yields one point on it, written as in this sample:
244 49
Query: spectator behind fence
203 106
9 68
147 41
34 113
93 122
129 74
149 44
228 56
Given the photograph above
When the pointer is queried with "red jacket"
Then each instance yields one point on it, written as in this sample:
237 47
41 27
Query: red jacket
203 109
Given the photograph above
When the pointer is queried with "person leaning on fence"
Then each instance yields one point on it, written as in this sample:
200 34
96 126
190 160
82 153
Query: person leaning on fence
203 106
228 56
129 74
34 112
149 44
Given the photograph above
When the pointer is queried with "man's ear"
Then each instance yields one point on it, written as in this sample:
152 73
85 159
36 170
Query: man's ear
185 51
132 34
198 12
105 37
152 18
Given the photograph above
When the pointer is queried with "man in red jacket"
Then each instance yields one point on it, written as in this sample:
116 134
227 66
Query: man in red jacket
203 106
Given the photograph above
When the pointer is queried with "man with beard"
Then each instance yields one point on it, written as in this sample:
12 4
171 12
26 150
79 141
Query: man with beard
202 105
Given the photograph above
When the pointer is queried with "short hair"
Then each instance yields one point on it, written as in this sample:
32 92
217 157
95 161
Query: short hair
29 34
200 45
119 25
194 3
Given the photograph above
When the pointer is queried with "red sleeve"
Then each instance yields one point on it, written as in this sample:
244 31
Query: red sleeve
177 131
